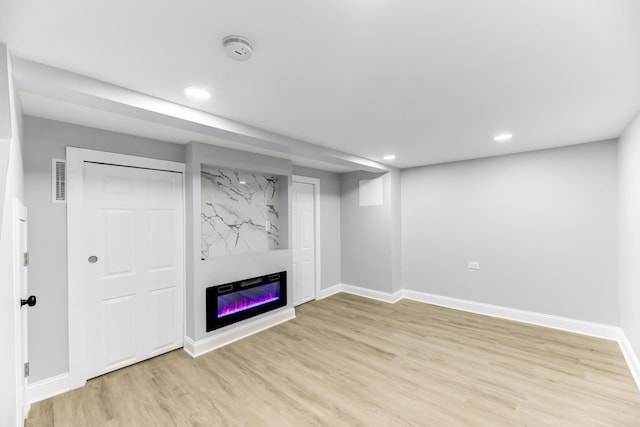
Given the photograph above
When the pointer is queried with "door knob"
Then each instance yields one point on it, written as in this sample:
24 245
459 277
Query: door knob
30 301
92 259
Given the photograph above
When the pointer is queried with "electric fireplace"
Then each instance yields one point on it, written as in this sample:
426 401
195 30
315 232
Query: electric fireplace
232 302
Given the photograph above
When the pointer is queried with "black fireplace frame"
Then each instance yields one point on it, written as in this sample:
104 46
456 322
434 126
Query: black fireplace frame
212 293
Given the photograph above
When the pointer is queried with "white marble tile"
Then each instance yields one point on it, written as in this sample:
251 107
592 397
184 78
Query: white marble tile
240 212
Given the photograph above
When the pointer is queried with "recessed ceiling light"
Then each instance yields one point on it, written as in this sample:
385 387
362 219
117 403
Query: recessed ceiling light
502 137
196 92
389 157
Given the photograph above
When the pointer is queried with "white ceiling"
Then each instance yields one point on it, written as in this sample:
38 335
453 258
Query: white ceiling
430 81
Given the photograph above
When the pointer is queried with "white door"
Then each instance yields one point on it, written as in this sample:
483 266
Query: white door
133 242
303 250
20 269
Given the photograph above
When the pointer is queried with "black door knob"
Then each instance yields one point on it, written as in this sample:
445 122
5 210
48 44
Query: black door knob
30 301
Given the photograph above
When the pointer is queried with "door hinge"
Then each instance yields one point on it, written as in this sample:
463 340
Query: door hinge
26 369
26 259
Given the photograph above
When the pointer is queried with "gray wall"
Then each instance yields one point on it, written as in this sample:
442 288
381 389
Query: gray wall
45 140
218 270
629 233
329 223
543 226
370 256
395 220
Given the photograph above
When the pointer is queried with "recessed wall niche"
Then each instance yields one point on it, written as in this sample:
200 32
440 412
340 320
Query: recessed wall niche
240 212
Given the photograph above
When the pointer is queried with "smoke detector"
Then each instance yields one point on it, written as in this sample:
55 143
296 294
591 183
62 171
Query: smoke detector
238 48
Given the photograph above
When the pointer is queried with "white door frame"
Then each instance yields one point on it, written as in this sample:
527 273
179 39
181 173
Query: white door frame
20 291
316 220
76 157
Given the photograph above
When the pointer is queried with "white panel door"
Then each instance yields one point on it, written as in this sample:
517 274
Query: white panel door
303 250
133 241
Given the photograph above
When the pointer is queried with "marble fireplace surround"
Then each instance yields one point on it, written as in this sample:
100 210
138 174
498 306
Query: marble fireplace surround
265 257
240 212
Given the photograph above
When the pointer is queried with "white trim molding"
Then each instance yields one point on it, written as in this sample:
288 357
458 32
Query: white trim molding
198 348
372 294
324 293
50 387
630 356
540 319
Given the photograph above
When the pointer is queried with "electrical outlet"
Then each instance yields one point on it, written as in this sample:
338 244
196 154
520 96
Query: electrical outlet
474 265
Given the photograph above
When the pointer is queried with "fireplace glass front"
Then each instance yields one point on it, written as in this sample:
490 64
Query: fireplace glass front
232 302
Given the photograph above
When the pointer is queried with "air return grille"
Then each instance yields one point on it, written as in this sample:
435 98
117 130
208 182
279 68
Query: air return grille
58 181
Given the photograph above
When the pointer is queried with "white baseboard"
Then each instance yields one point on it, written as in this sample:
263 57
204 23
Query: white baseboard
189 346
550 321
324 293
372 294
198 348
631 357
556 322
49 387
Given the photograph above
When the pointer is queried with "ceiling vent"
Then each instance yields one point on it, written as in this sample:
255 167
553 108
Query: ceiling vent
238 48
58 181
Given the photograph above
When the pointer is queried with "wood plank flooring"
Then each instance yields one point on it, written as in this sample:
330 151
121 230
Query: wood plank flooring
350 361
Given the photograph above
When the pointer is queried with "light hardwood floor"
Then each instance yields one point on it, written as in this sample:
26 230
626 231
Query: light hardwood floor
350 361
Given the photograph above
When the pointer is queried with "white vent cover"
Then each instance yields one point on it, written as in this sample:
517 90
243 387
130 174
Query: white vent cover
58 181
371 192
238 48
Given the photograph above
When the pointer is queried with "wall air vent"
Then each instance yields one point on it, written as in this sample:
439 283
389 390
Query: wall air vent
58 181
